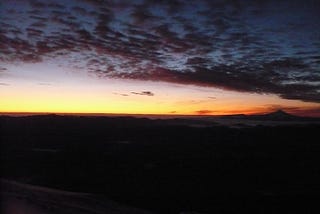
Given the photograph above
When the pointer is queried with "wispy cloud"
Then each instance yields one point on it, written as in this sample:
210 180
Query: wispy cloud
44 84
121 94
145 93
203 112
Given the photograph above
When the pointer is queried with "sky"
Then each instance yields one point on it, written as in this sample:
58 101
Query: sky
160 56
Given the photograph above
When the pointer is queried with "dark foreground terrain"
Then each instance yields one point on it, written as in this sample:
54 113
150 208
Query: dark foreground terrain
17 198
166 166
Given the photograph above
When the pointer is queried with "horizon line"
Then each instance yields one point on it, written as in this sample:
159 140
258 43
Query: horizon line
140 114
97 113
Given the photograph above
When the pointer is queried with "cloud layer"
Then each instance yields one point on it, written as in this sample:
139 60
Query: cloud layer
250 46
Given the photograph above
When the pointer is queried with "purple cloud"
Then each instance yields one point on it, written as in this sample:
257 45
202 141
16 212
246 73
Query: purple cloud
224 44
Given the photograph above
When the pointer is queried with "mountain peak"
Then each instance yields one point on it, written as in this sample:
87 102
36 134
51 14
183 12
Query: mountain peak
280 114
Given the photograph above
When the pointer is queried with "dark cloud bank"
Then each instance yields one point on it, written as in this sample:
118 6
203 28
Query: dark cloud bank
251 46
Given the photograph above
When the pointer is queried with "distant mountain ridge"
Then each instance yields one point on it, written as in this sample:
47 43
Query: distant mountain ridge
144 121
280 115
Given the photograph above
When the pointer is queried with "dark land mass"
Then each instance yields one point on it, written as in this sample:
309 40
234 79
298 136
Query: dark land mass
168 166
19 198
278 115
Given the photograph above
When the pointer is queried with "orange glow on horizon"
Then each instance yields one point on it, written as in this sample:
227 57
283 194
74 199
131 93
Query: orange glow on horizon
78 93
74 101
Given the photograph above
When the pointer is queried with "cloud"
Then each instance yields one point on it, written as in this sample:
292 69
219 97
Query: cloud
37 4
241 77
141 15
145 93
2 69
224 44
121 94
4 84
204 112
213 98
